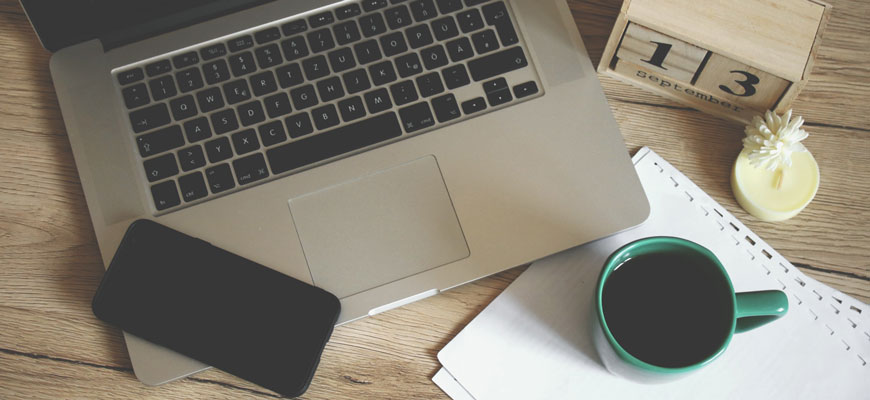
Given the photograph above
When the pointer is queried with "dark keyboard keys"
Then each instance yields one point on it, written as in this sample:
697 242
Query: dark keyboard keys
497 92
149 117
160 167
351 109
472 3
290 75
242 64
189 79
423 10
214 51
299 125
131 75
430 84
372 24
191 158
320 40
315 67
398 17
444 28
474 105
237 91
165 195
185 60
210 99
470 20
325 117
268 56
346 32
159 141
162 88
294 48
525 89
356 81
216 71
218 149
136 95
394 43
378 100
182 107
245 141
371 5
496 14
497 64
277 105
303 97
240 43
158 67
419 36
330 89
446 108
294 27
220 178
459 49
250 169
348 11
224 121
404 92
449 6
367 51
434 57
485 41
192 187
267 35
382 73
197 129
251 113
455 76
263 83
408 65
272 133
416 117
333 143
341 60
321 19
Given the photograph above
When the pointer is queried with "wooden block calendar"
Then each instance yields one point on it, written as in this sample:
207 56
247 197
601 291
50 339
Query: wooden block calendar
730 58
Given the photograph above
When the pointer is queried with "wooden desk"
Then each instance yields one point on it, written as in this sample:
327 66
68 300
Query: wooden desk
51 346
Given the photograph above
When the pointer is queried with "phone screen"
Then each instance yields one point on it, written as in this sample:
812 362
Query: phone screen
216 307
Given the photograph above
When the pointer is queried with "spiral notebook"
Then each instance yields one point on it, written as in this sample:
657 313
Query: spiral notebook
534 340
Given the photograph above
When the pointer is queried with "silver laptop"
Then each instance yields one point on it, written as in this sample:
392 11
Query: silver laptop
382 150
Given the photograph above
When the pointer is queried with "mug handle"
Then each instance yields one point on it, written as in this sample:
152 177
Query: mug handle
755 309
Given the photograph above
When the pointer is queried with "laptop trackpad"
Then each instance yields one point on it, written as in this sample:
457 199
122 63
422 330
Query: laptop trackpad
379 228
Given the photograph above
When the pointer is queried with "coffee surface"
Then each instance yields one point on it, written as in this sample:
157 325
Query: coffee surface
668 309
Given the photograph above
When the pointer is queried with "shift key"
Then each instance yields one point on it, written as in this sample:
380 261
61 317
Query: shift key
497 63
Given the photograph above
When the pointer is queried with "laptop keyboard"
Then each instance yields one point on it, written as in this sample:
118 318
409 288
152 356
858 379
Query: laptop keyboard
220 117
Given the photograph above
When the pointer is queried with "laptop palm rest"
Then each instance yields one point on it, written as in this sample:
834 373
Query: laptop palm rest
379 228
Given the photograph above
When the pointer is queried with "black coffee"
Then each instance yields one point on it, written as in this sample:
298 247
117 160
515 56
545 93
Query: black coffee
668 309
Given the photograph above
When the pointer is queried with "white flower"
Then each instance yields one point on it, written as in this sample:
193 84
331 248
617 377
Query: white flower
772 140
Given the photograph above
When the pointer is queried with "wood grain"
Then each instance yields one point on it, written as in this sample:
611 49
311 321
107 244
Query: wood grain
51 346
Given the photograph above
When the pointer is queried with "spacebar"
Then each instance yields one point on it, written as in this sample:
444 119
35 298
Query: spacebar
335 142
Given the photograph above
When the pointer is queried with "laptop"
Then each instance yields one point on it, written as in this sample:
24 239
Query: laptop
382 150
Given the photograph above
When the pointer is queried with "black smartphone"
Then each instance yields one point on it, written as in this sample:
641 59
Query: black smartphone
217 307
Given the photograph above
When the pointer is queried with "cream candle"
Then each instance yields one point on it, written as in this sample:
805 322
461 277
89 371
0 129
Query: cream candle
775 177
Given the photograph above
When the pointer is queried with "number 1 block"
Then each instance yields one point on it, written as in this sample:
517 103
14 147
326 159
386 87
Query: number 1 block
658 52
740 83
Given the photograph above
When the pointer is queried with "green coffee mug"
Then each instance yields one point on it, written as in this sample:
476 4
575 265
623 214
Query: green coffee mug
739 312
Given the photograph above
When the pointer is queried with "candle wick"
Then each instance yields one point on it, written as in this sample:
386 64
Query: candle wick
780 175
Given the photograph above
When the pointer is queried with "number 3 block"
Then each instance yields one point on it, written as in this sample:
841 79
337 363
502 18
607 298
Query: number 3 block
660 53
740 83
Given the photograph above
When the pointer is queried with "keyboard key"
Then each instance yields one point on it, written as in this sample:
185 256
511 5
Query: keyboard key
189 79
135 96
330 89
268 56
242 64
320 40
165 195
333 143
356 81
315 67
472 3
404 92
240 43
444 28
191 158
348 11
267 35
214 51
158 67
224 121
192 187
245 141
371 5
525 89
210 99
446 108
220 178
218 150
394 43
131 75
272 133
398 17
294 27
497 92
409 65
498 63
237 91
382 73
459 49
250 169
474 105
423 10
485 41
351 109
159 141
378 100
419 36
416 117
346 32
185 60
325 117
216 71
449 6
277 105
290 75
321 19
299 125
434 57
470 20
251 113
162 88
149 117
160 167
496 14
294 48
367 51
341 60
197 129
263 83
455 76
430 84
372 24
183 107
303 97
